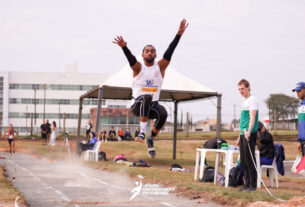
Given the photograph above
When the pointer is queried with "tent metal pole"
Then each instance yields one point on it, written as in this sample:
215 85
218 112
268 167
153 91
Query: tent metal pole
80 109
218 126
218 129
98 111
175 129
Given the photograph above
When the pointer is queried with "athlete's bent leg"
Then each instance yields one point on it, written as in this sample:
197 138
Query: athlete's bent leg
141 108
159 113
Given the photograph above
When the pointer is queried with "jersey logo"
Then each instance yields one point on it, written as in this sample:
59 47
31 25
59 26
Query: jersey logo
149 87
149 82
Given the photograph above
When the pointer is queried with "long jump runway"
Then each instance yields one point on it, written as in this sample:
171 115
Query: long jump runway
70 183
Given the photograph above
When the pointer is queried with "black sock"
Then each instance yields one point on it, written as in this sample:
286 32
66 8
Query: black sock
153 134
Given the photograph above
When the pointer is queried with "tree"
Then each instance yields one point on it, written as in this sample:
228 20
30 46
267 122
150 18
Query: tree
282 107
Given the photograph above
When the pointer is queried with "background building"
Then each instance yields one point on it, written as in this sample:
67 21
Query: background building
116 117
48 95
207 125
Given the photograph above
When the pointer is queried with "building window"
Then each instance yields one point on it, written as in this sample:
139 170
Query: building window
119 120
116 106
53 101
15 115
52 87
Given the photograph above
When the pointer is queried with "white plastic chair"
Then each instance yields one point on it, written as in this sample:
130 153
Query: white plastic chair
93 154
272 171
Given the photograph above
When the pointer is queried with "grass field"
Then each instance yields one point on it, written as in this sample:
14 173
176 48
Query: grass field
280 134
8 193
160 173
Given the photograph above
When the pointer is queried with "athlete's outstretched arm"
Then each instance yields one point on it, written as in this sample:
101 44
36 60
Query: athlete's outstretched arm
164 62
134 64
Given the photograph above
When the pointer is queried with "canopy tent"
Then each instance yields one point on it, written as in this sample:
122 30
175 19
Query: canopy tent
176 87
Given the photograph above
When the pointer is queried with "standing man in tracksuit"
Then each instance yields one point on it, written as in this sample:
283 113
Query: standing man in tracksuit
248 135
146 86
300 89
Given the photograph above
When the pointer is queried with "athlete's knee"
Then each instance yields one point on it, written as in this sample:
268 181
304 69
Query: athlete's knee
135 112
164 115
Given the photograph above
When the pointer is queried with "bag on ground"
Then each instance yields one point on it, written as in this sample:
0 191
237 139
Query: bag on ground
139 163
175 166
120 157
178 168
208 174
235 177
102 156
220 178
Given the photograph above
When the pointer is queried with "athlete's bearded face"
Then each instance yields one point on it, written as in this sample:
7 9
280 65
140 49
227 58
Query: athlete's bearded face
149 54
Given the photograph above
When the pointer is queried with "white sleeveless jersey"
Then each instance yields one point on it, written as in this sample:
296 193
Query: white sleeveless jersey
148 81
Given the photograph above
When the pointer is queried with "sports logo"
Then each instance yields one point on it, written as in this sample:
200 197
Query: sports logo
149 82
149 189
136 190
149 87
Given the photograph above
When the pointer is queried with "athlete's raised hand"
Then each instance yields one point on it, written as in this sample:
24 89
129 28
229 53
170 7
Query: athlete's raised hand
119 41
183 26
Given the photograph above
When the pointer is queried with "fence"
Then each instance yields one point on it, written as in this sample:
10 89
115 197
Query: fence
37 131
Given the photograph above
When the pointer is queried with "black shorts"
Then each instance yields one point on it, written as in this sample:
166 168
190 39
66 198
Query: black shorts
144 106
10 140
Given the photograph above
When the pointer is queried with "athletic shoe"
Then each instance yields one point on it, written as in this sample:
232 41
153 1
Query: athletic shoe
244 188
150 146
251 189
152 152
140 137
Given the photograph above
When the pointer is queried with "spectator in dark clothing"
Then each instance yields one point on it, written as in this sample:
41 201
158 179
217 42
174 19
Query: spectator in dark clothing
88 129
111 134
128 135
103 135
89 145
265 145
43 129
48 127
137 132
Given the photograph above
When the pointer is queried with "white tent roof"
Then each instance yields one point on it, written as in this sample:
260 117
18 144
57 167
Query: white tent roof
176 86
